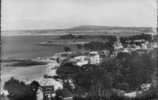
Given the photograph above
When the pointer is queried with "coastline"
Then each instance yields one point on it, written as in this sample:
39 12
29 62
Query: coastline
28 74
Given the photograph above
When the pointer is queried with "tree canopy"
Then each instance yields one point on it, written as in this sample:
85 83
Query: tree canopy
19 90
126 72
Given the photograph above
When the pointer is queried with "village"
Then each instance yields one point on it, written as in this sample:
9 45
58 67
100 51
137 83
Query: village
125 45
96 58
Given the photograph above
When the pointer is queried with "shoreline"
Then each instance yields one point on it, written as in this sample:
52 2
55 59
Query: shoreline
28 74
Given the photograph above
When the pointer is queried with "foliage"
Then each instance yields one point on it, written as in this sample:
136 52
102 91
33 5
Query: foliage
18 90
146 37
79 46
87 78
132 70
96 45
67 36
125 72
67 49
34 86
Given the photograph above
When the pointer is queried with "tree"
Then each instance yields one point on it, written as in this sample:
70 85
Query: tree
67 36
67 49
34 86
18 90
97 45
89 78
127 71
67 70
79 46
133 70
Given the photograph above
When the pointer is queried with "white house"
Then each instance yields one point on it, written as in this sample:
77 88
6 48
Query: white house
60 57
146 86
80 60
4 92
145 45
126 50
106 52
131 94
94 57
155 45
39 94
51 82
118 45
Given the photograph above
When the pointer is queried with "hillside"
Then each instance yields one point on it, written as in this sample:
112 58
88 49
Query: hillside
83 30
107 28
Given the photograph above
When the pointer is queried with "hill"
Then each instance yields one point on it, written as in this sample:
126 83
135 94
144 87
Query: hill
106 28
83 30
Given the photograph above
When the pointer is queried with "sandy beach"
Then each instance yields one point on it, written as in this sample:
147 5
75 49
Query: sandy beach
27 74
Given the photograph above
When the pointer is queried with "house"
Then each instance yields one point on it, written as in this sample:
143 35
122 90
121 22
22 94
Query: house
39 94
146 86
145 45
141 51
139 41
118 45
131 94
126 50
4 92
45 82
104 53
137 47
94 57
68 98
80 60
154 44
60 57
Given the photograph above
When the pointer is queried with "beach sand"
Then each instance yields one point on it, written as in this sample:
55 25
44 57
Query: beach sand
28 74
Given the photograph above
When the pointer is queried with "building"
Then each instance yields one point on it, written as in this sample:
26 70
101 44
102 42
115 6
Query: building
154 44
146 86
104 53
60 57
118 45
80 60
94 57
40 94
146 45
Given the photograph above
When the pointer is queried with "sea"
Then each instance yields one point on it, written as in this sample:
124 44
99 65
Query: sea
25 47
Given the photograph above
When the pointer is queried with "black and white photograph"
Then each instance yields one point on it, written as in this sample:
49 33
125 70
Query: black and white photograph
79 50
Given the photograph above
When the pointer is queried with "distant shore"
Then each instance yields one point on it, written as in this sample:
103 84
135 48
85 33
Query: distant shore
22 62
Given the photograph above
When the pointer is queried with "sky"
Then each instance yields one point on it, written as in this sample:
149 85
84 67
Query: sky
56 14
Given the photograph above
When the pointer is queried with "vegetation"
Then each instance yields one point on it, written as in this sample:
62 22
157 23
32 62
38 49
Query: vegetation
131 70
34 86
19 90
96 45
126 72
115 97
67 49
79 46
68 36
71 36
145 37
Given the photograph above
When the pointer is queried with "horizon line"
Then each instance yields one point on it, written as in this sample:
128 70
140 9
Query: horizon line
3 30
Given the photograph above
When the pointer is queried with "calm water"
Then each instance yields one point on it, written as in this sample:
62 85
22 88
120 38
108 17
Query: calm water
15 47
